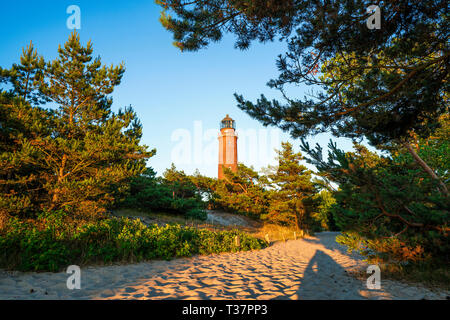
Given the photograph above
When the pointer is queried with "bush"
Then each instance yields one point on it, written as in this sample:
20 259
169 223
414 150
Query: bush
148 192
50 244
196 213
389 209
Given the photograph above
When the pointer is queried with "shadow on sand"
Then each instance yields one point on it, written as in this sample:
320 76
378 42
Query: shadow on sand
325 279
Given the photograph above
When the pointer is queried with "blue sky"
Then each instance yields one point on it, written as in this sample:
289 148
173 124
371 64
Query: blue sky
176 95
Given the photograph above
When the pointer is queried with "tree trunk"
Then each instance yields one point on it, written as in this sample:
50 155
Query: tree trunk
55 197
426 168
298 224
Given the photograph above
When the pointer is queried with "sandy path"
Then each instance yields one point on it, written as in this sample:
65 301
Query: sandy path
313 268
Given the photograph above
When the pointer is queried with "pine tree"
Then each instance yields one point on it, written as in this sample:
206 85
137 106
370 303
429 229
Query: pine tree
242 191
79 151
179 183
290 199
205 186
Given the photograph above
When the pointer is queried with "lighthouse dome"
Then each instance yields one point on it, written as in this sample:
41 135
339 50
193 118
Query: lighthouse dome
227 122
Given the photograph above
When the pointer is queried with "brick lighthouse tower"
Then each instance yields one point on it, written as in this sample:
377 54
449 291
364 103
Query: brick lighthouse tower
227 145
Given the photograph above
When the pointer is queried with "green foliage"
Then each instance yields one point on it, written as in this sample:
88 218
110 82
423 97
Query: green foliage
76 154
206 21
196 213
21 189
388 206
180 184
205 186
241 192
174 193
53 244
323 216
292 190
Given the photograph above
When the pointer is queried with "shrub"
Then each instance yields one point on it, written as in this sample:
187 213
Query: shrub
148 192
196 213
50 244
390 210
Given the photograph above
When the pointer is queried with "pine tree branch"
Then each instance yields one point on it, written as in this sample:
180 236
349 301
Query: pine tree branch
396 88
426 168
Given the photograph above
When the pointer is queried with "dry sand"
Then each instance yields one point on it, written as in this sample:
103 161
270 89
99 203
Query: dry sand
311 268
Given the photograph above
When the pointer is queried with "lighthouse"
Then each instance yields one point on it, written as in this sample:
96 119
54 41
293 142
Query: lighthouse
227 145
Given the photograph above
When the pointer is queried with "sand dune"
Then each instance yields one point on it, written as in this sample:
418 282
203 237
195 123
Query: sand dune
311 268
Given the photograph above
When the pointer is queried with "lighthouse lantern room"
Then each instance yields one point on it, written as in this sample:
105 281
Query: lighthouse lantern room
227 146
